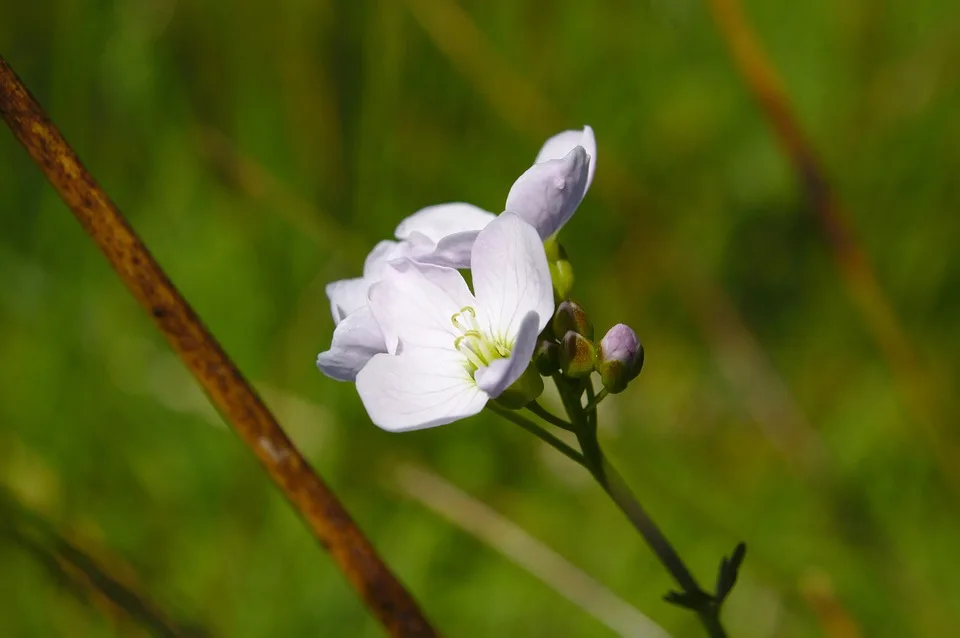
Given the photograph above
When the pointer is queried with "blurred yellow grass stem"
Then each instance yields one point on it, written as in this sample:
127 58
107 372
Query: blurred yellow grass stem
512 541
763 82
511 97
217 374
92 574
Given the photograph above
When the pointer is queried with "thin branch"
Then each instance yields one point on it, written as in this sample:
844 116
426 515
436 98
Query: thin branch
592 401
549 417
223 382
536 430
619 492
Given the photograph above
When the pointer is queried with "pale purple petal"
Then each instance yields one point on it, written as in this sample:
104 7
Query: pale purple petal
620 344
412 246
437 222
510 276
418 389
415 304
383 252
347 296
453 251
355 340
548 193
562 143
501 373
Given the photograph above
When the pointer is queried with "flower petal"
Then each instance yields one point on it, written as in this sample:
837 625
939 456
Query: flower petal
498 376
548 193
355 340
562 143
453 251
510 276
347 296
415 304
451 230
418 388
383 252
437 222
415 244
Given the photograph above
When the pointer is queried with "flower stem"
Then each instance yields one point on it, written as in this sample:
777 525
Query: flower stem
536 430
591 407
618 490
584 421
614 485
594 401
541 412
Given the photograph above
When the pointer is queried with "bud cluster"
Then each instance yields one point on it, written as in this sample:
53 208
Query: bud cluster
571 349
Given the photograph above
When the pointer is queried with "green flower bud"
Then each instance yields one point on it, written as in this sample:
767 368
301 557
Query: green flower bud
561 272
553 249
620 358
547 358
524 390
577 355
570 316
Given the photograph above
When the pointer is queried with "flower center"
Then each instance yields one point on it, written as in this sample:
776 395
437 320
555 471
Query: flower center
478 348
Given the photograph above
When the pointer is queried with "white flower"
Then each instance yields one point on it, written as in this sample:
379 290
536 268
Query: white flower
548 193
451 228
450 350
545 196
357 336
562 143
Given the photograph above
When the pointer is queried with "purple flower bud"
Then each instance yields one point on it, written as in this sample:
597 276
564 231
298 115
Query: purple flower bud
620 358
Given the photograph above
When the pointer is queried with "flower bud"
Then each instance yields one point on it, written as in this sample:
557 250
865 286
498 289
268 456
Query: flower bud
620 358
570 316
561 273
553 249
522 391
547 358
577 355
561 270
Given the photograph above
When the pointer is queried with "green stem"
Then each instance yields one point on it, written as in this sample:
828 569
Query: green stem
570 398
594 401
541 412
536 430
614 485
584 420
591 407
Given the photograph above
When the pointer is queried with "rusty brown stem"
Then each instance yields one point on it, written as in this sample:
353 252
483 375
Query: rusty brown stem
762 80
220 378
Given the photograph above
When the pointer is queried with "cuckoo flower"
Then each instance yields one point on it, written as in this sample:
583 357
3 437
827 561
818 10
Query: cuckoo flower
450 350
545 196
450 230
562 143
548 193
357 335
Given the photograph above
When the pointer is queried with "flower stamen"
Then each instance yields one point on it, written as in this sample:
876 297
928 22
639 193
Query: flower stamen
478 349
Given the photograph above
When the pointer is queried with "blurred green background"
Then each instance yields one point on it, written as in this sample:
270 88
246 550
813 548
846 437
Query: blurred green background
261 148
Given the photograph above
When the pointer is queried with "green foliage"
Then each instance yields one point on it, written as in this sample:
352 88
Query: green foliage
259 148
